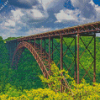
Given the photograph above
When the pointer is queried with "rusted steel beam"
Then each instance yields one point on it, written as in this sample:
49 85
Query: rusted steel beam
75 61
87 71
82 54
85 35
34 53
86 47
94 74
67 68
34 42
56 47
49 56
57 51
61 57
41 47
91 27
78 58
44 43
68 47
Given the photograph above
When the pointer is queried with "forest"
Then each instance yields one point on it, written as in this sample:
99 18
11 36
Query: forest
28 83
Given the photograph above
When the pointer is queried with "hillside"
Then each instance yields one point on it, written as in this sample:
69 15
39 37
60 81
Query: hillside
26 77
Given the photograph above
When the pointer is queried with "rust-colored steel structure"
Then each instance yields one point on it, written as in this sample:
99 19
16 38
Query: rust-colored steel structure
42 47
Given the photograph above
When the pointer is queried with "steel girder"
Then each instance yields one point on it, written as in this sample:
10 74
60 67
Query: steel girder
86 28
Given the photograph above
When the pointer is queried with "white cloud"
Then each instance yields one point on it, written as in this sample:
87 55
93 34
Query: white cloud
53 5
46 3
38 30
16 14
92 3
17 23
67 15
14 18
86 7
36 14
97 13
97 9
76 3
86 11
6 31
21 17
10 23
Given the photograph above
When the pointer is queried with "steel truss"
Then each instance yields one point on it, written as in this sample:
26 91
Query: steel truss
94 57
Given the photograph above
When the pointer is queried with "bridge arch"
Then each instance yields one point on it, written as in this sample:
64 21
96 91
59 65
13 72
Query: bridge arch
21 46
16 56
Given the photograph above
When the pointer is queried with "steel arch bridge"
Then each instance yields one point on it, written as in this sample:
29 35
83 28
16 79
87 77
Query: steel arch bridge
43 47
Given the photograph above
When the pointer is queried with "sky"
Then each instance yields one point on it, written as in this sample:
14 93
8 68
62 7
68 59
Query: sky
28 17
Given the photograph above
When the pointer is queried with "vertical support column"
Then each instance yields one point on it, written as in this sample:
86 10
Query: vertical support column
39 43
49 56
35 45
52 48
41 47
78 58
45 44
61 57
34 42
94 74
75 60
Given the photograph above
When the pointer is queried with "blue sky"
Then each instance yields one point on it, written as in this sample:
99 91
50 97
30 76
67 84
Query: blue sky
27 17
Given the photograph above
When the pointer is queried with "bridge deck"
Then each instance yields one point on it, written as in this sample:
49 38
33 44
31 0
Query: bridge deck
85 28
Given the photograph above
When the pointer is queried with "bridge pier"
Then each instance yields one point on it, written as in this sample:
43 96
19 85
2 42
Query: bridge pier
78 58
94 57
49 55
94 74
52 48
41 47
61 57
75 68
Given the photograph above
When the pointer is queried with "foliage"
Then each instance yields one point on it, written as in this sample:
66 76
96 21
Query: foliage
25 84
83 91
54 79
11 38
23 78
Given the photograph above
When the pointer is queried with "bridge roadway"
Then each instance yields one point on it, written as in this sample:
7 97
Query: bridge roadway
44 58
